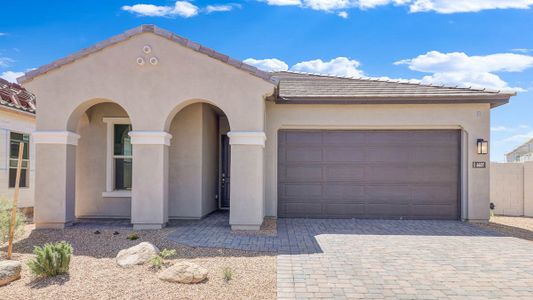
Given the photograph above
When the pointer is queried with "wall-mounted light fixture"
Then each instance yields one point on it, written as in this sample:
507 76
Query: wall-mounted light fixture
482 146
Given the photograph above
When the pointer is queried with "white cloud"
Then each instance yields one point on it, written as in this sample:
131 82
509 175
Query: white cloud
5 62
461 6
181 8
268 64
343 14
461 69
340 66
509 129
415 6
11 76
221 8
3 33
522 50
284 2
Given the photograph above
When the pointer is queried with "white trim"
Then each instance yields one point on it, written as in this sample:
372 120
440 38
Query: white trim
150 138
117 194
256 138
55 137
110 158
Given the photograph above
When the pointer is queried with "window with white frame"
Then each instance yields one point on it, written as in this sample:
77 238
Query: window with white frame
15 139
119 157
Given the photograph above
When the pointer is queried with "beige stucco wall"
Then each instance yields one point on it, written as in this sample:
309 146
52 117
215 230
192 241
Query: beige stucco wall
472 119
11 120
511 188
193 162
151 95
507 188
91 166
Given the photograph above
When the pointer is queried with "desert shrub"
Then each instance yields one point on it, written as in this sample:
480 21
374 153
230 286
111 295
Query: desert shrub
133 236
51 259
158 261
5 219
167 253
227 274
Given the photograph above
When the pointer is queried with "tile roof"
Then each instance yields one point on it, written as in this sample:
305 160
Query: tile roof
157 31
297 87
16 97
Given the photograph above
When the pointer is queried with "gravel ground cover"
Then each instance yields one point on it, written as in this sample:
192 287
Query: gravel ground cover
520 227
95 275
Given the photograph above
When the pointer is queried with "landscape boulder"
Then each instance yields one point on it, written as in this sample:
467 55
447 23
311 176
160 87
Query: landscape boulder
136 255
184 272
9 271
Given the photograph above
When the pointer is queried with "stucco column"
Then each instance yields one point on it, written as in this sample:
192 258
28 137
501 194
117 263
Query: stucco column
149 193
247 179
55 178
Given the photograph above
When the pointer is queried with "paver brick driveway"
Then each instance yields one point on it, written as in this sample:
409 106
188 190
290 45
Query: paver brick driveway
384 259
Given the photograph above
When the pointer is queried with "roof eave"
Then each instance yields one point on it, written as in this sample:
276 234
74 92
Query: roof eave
494 101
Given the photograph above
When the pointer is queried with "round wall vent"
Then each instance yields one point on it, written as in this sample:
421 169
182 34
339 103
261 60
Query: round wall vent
147 49
140 61
154 61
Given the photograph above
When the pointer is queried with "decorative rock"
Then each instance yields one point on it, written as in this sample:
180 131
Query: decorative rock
184 272
9 271
136 255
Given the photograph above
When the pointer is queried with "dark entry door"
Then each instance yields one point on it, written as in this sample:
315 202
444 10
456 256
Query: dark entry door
369 174
225 157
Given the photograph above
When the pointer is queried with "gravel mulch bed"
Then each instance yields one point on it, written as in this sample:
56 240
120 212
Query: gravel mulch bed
95 275
520 227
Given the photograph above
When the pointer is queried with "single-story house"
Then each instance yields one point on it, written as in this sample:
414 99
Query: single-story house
17 123
151 126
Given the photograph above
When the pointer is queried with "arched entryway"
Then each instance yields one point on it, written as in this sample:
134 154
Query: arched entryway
199 161
104 158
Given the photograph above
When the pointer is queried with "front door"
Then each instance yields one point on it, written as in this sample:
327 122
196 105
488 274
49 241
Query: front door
225 163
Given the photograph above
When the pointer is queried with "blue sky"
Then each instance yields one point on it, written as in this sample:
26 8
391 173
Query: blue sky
485 43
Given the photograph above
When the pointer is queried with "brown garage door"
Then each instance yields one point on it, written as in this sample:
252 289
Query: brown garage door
369 174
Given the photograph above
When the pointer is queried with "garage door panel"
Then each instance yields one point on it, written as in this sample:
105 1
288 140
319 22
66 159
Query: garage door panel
387 210
302 209
302 173
344 172
344 138
343 154
369 174
386 154
435 194
303 190
388 194
388 173
434 211
338 191
299 138
303 154
344 210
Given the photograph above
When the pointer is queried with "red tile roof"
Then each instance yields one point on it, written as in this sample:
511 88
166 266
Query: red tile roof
16 97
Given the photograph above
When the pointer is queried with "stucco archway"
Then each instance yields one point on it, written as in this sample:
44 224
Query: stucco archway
199 160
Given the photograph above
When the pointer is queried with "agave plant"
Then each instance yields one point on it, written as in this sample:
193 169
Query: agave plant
51 259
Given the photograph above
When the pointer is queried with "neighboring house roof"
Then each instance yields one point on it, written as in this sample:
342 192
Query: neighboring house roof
16 97
297 87
155 30
523 149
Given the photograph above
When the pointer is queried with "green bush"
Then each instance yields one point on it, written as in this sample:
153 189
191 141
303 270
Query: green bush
227 274
51 259
133 236
158 261
5 219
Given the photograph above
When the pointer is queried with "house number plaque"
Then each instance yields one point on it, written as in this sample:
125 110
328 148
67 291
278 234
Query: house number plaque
479 165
